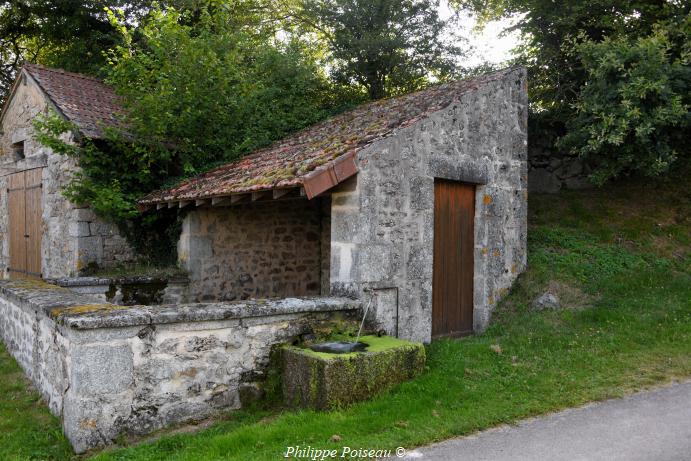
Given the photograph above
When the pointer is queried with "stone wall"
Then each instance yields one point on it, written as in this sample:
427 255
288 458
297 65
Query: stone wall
256 250
129 291
382 221
108 370
73 237
552 170
33 340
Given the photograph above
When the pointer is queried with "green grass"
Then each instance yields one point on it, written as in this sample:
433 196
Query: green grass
27 429
619 259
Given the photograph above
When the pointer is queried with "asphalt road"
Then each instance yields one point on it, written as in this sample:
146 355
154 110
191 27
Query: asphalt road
648 426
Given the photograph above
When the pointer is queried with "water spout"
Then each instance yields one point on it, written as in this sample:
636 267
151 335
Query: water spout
364 316
344 347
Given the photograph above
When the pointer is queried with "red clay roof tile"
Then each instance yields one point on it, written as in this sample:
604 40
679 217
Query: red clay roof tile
86 101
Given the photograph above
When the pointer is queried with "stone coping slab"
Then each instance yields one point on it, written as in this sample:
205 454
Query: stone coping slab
98 281
323 380
82 313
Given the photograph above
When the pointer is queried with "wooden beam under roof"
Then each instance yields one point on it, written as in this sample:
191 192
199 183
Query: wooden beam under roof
232 199
235 198
256 195
215 201
278 193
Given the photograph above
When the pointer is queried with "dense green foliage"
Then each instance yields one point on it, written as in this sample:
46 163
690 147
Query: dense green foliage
198 90
624 257
556 75
213 90
386 46
114 173
69 34
565 67
633 115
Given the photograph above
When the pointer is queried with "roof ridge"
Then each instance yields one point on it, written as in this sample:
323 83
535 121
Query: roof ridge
83 99
29 65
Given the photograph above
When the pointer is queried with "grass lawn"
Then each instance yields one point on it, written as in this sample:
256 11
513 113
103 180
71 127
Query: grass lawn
620 259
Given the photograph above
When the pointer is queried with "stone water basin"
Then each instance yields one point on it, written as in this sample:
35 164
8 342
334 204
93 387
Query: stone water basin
322 380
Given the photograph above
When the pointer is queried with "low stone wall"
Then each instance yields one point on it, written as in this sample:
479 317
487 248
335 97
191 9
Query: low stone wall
129 291
551 169
108 370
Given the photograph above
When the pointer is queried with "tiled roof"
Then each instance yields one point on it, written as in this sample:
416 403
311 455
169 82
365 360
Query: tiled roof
328 146
86 101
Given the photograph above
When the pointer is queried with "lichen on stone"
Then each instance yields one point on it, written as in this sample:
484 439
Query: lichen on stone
85 309
32 284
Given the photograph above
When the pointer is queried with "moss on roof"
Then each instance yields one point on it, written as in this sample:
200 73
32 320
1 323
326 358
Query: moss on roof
286 163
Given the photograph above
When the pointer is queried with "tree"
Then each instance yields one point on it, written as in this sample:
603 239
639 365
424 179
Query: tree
556 75
570 76
61 33
70 34
386 46
199 88
632 114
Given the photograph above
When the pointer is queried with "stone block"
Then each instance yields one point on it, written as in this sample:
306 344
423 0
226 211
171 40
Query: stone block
541 180
101 369
79 229
84 214
422 193
90 423
419 262
344 225
200 248
385 310
376 263
322 380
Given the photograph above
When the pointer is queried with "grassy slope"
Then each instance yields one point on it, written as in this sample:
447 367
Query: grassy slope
621 257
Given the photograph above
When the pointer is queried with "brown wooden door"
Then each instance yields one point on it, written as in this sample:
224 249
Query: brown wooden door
25 210
452 286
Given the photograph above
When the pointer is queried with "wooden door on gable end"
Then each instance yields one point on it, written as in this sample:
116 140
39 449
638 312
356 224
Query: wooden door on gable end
25 223
453 267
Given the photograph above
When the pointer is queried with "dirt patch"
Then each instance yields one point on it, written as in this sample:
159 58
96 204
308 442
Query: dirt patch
668 248
570 296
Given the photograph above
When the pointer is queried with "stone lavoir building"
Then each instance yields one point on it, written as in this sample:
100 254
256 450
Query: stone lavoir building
414 205
418 202
42 234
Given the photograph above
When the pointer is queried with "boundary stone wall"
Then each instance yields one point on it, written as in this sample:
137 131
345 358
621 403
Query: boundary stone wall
551 169
107 370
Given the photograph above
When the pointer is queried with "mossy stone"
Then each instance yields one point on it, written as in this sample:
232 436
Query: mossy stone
322 381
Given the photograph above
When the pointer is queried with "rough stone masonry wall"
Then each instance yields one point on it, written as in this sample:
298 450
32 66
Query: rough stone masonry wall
108 370
72 235
257 250
382 222
551 169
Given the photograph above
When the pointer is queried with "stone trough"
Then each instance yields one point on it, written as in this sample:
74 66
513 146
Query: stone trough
323 380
